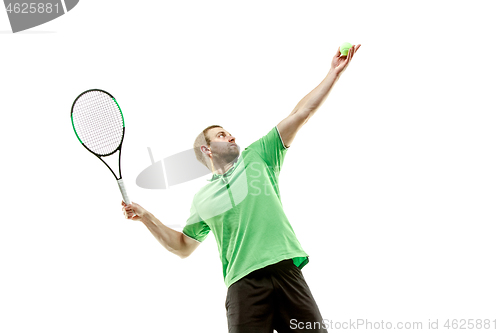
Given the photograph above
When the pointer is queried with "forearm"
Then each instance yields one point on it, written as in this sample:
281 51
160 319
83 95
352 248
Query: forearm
170 239
312 101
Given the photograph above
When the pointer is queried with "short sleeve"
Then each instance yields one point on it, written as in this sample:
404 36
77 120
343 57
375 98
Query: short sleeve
195 227
271 148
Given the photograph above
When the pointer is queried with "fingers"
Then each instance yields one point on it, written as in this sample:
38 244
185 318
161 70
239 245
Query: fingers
352 50
129 213
130 205
355 48
132 211
337 54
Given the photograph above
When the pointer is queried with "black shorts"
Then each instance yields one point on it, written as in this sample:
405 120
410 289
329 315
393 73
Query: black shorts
274 297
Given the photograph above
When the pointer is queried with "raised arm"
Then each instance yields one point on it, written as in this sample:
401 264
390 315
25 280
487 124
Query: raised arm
304 110
173 240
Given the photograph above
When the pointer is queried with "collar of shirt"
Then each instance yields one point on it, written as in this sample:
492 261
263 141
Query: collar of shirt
228 173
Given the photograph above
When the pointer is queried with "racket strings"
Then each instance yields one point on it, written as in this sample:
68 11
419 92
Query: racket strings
99 110
98 122
109 114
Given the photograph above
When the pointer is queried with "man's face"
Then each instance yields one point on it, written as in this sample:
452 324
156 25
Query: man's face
223 144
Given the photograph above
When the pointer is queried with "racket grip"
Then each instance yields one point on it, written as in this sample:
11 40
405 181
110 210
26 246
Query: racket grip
124 191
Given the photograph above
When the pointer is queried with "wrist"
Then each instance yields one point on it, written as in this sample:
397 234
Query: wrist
334 72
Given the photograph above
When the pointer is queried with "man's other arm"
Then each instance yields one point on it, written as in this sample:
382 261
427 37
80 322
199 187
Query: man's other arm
173 240
306 108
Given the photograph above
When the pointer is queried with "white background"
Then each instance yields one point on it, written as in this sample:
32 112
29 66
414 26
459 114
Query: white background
392 187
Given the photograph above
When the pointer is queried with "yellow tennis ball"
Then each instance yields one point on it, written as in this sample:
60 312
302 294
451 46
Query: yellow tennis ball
344 48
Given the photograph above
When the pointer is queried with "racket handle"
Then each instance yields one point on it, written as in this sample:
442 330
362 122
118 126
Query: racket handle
124 191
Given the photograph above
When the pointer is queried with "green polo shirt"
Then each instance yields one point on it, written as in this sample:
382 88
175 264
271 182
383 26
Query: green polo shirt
243 209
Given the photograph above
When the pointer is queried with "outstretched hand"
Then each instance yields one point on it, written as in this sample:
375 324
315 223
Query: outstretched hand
340 62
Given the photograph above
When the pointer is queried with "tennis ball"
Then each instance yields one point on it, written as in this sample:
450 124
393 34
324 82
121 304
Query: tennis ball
344 48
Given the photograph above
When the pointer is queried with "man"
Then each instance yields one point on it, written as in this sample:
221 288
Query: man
260 254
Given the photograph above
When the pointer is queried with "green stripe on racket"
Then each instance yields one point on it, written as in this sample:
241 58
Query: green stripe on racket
100 127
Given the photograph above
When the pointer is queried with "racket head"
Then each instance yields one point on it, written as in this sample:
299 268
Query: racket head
98 122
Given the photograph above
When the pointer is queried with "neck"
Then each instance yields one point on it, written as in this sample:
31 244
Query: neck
222 167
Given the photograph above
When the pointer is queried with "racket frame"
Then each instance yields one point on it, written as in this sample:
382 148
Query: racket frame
118 148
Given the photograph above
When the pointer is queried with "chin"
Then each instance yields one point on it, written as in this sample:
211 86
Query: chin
235 156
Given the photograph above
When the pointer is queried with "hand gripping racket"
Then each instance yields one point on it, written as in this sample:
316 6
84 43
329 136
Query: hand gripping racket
99 125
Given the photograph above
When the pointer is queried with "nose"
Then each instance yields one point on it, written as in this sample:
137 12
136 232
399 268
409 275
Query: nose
232 139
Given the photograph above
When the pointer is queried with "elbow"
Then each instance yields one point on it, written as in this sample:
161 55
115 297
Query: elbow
303 117
183 254
303 114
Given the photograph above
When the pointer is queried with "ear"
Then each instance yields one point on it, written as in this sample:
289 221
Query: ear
205 150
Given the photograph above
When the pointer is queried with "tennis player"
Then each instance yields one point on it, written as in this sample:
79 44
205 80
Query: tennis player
261 256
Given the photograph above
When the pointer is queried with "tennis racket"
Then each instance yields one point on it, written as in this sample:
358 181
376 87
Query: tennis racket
99 126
